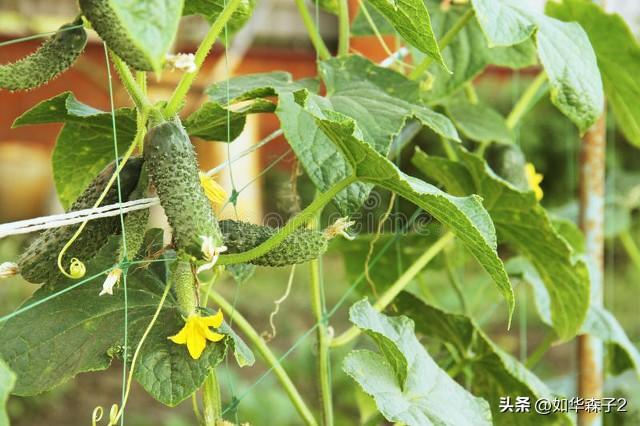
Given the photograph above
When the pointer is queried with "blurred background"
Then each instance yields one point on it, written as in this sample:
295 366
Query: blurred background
275 39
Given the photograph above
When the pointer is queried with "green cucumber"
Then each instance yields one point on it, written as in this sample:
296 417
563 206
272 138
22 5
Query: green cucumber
135 222
508 162
39 262
301 246
173 169
183 283
54 56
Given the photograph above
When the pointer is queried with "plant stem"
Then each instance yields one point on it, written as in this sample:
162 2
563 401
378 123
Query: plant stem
179 94
314 34
128 80
470 92
304 216
526 101
399 285
343 28
542 349
324 367
211 404
267 355
631 248
444 42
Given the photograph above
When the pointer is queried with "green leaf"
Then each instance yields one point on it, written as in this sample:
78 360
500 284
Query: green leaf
618 53
468 53
523 223
214 122
211 9
466 216
563 48
85 143
494 372
7 380
599 322
407 385
242 353
57 339
381 100
361 27
411 20
478 122
252 86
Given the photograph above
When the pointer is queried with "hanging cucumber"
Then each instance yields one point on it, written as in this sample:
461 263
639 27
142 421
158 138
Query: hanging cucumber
173 169
135 222
55 55
301 246
39 262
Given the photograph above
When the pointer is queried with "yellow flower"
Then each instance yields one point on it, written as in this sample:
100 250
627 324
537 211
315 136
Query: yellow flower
534 180
212 189
77 268
195 333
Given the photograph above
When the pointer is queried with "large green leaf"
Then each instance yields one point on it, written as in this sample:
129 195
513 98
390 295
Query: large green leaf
360 25
522 222
478 122
380 100
494 372
407 385
7 380
411 20
468 53
466 216
214 122
85 143
211 9
599 322
563 48
57 339
618 53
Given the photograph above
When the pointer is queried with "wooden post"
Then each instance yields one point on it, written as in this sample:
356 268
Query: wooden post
592 184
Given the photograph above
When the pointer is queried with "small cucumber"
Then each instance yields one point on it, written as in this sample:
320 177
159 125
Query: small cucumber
54 56
301 246
508 162
173 169
183 283
39 262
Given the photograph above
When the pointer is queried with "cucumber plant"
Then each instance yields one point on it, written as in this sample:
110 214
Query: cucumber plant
481 194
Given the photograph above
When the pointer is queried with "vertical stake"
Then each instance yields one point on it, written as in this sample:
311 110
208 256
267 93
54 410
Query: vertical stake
592 184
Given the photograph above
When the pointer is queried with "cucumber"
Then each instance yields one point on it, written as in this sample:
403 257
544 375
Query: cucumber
135 222
508 162
39 262
173 169
183 283
54 56
110 18
301 246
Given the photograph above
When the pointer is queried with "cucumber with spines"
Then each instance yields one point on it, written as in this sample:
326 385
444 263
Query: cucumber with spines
38 263
54 56
173 169
300 246
135 222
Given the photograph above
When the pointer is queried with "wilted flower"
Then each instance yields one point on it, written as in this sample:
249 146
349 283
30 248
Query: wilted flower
112 279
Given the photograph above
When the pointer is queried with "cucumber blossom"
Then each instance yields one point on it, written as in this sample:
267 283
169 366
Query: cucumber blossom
54 56
39 262
173 169
301 246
